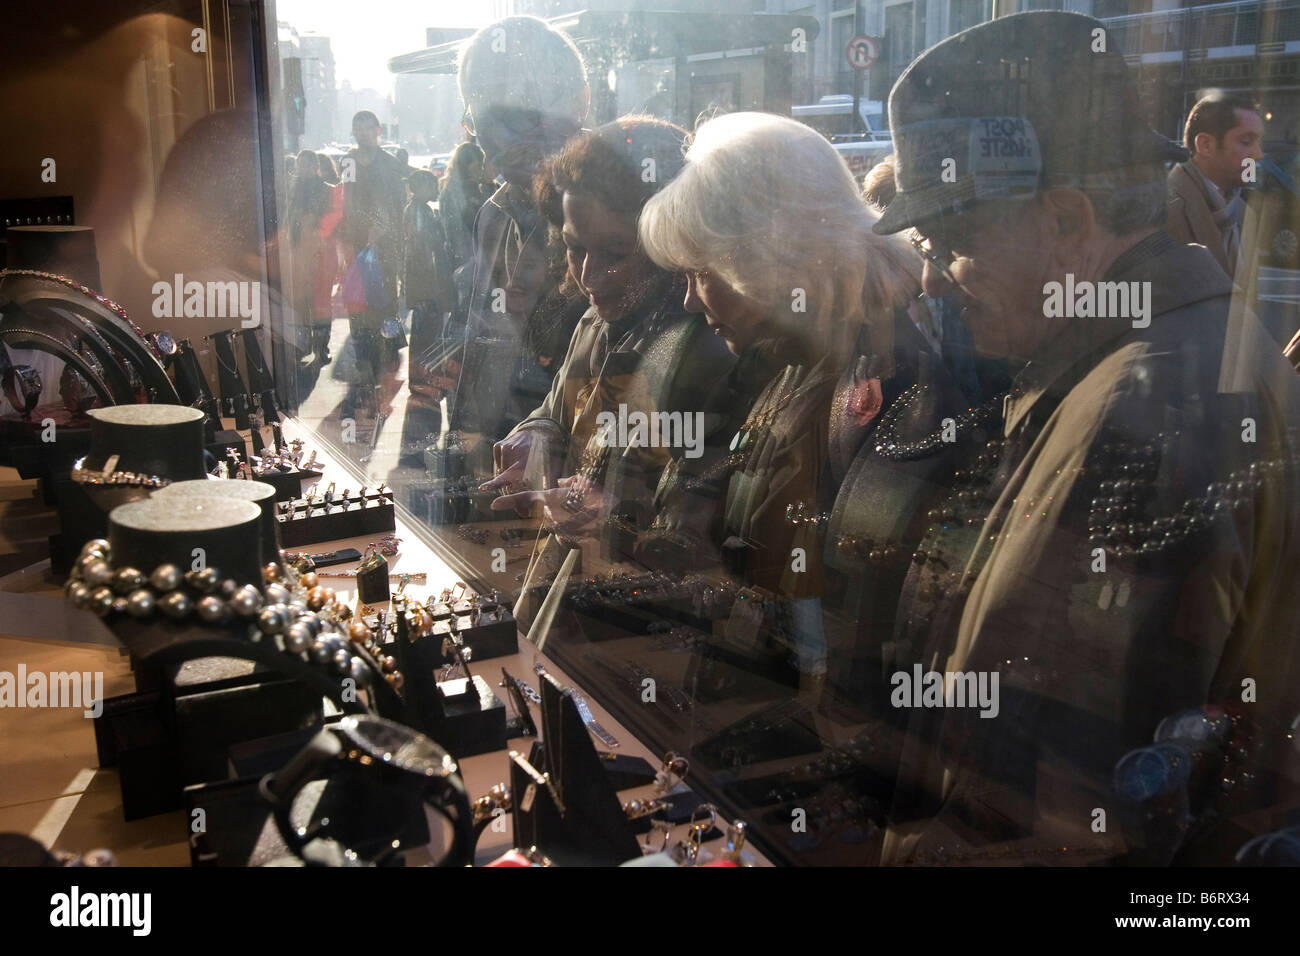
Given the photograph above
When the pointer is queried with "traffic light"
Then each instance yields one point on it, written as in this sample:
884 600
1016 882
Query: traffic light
295 100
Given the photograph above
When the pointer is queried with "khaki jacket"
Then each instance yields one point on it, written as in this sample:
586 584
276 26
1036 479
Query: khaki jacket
1190 216
1194 415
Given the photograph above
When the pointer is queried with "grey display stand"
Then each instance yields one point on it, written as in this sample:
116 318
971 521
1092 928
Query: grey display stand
161 440
259 493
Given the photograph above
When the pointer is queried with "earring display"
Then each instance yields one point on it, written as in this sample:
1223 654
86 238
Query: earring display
462 712
480 622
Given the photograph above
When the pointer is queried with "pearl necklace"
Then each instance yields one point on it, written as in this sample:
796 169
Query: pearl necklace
291 609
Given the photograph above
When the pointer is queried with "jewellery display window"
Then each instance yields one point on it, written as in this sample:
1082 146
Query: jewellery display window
857 573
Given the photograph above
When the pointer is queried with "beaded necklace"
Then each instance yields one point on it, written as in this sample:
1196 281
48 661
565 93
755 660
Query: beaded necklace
891 447
291 609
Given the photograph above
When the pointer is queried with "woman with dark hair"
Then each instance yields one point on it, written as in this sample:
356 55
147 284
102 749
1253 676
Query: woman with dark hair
459 200
636 351
328 170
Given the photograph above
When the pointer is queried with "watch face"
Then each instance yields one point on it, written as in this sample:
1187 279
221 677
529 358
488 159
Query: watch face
397 746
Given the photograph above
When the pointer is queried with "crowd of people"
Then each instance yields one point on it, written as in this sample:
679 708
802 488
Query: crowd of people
1000 412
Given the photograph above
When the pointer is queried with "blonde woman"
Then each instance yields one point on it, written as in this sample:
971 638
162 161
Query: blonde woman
767 222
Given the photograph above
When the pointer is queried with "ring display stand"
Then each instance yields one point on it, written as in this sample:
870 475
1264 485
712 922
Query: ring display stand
309 521
464 715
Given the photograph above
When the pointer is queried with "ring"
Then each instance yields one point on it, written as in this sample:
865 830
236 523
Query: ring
697 828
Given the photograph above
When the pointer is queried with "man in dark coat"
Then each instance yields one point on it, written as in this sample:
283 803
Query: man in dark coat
373 198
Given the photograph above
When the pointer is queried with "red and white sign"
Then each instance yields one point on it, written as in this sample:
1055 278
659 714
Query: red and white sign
862 52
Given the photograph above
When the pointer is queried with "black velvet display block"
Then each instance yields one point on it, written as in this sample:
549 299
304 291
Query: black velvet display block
473 718
306 523
465 719
499 639
625 771
47 462
253 759
162 741
288 484
210 721
239 829
83 515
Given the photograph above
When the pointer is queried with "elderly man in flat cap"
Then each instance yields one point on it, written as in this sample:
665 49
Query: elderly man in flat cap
1119 544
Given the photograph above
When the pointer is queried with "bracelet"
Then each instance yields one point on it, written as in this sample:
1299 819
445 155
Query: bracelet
413 577
109 476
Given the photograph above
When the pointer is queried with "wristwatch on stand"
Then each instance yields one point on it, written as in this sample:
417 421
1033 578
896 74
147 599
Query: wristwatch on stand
383 758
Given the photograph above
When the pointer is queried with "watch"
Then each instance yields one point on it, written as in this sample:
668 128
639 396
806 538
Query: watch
406 767
22 388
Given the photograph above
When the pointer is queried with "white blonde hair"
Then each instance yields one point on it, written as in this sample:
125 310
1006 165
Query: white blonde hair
767 205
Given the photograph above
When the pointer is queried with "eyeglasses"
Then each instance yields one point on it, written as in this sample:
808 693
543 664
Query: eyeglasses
945 235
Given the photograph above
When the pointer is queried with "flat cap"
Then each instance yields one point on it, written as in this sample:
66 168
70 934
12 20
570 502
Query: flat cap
1026 102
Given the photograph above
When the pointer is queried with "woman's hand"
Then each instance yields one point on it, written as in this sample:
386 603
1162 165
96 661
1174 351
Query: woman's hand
576 507
510 456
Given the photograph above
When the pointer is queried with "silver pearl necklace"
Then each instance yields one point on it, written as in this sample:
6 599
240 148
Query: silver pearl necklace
302 621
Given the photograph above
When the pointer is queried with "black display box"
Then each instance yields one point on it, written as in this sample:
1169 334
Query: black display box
164 740
287 484
352 517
